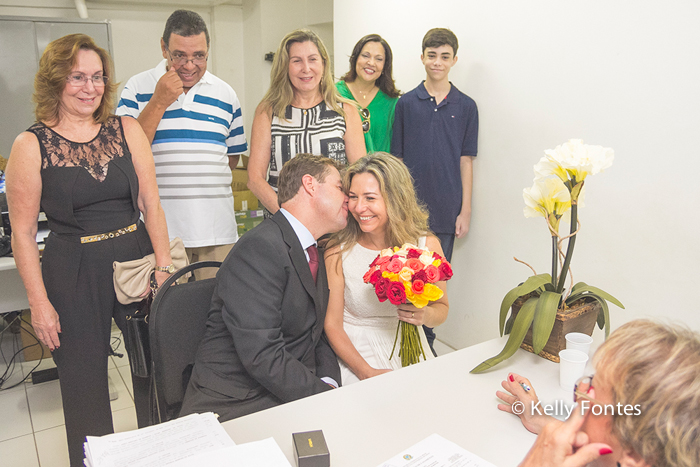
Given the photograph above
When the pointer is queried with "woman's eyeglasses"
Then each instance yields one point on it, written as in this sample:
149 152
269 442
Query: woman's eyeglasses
81 79
581 389
364 113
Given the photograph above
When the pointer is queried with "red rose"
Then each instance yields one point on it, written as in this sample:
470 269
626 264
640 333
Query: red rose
413 253
381 288
437 256
397 293
395 265
445 271
374 263
414 264
417 286
432 273
383 262
367 275
383 259
374 278
420 276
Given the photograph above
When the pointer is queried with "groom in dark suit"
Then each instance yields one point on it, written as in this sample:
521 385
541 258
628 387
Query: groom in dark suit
264 343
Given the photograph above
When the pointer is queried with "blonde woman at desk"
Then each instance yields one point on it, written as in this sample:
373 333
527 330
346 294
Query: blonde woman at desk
643 404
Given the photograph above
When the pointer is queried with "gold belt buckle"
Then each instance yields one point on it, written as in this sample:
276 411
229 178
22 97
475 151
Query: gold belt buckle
108 235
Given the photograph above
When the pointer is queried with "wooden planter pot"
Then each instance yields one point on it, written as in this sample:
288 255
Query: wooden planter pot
580 317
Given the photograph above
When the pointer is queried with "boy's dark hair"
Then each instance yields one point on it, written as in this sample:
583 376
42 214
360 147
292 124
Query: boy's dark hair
437 37
185 23
291 175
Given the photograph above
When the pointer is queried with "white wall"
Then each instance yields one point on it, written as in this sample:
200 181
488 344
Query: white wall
619 74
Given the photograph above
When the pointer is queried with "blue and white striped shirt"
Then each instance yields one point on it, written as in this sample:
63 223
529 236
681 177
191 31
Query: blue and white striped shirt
191 147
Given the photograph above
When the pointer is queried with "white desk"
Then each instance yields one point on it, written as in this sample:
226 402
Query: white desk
13 296
369 422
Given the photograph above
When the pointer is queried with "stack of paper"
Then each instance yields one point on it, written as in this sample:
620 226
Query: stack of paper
158 445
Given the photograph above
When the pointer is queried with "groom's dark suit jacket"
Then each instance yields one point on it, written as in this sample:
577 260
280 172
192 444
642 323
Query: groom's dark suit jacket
264 344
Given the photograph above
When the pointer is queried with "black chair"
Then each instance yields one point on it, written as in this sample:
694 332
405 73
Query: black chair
177 322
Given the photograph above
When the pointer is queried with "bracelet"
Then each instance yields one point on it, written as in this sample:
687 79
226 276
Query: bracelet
169 268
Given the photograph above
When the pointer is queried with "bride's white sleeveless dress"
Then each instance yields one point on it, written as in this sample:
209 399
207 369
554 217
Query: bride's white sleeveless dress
369 323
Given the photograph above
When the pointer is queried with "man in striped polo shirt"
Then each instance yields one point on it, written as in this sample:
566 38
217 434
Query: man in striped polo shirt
193 120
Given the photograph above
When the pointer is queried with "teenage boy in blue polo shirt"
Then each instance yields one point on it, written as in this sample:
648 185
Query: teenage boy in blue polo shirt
435 133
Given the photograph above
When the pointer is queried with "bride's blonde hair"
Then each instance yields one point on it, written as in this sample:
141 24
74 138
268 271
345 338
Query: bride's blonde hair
407 217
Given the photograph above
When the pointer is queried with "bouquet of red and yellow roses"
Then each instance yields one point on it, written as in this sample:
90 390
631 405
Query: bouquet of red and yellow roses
408 274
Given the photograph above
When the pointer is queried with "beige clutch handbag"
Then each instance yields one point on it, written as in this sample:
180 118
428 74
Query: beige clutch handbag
132 278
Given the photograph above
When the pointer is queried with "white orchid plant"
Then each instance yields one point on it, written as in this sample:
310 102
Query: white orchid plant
558 188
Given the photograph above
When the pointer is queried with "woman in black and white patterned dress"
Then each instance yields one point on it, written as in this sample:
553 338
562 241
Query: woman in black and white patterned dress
301 113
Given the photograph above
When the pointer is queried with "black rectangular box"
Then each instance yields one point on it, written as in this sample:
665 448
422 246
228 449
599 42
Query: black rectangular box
310 449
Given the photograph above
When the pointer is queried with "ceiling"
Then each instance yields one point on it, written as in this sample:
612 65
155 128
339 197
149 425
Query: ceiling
192 3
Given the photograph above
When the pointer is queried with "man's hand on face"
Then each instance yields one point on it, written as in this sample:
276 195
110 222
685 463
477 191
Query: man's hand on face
168 89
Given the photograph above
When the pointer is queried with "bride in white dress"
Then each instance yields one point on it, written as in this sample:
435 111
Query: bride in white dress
384 213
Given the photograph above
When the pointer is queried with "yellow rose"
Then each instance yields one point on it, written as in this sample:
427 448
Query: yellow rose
432 292
389 275
419 301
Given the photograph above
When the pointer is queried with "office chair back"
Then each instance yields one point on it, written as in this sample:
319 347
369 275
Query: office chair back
177 322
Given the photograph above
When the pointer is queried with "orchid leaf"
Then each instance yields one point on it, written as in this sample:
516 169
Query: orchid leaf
522 323
596 291
545 314
531 284
509 324
507 302
603 314
603 318
600 320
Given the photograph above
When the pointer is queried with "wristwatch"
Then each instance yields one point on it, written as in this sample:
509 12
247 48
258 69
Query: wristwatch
169 268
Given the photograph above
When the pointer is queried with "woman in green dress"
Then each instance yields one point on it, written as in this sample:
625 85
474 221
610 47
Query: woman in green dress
370 83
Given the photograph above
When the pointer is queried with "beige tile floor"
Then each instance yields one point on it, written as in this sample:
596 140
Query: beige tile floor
31 416
32 432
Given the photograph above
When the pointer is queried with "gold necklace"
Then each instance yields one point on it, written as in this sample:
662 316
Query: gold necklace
364 94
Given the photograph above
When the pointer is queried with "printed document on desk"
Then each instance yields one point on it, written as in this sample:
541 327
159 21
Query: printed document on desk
158 445
436 451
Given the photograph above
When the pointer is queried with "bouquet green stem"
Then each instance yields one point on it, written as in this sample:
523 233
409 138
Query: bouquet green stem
410 348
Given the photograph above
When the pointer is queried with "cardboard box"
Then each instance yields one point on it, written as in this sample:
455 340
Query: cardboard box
32 350
239 180
246 220
310 449
245 200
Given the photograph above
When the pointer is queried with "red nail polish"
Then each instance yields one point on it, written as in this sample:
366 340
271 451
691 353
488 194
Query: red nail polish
605 451
511 378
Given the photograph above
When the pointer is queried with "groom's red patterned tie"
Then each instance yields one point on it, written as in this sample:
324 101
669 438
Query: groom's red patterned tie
313 260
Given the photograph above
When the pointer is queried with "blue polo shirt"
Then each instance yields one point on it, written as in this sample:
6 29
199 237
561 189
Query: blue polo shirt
431 139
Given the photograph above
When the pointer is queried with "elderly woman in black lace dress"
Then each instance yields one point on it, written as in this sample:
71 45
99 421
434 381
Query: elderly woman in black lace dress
93 175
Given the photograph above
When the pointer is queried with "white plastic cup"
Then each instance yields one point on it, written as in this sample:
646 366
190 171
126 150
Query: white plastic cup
572 364
579 341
